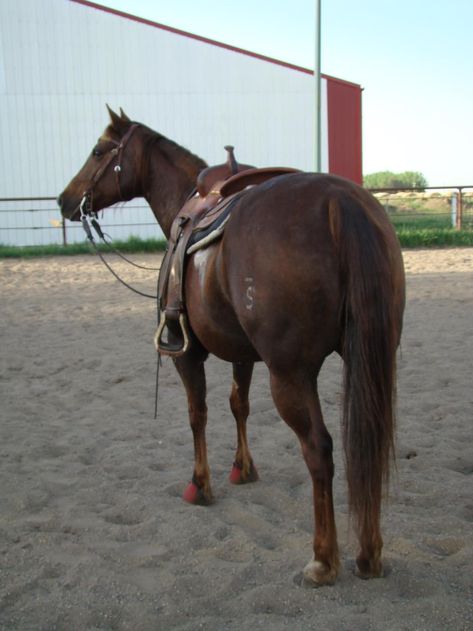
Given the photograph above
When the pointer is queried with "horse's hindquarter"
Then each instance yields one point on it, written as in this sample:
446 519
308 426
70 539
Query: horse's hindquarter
285 291
272 283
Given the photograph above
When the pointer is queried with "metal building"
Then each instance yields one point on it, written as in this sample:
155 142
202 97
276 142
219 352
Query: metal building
62 60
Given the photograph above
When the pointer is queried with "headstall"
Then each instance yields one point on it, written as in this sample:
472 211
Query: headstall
86 204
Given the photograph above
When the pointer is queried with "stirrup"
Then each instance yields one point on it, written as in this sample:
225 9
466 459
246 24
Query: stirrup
167 348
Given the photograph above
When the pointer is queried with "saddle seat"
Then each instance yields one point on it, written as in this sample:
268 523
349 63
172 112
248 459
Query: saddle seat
200 222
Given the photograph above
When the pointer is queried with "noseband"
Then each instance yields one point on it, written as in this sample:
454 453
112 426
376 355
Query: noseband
86 204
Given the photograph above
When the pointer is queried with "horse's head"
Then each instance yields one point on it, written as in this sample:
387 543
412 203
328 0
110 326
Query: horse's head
109 174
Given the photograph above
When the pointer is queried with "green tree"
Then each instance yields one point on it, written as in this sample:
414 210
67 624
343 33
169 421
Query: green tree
387 179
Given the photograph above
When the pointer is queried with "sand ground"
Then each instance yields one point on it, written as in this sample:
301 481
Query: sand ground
93 533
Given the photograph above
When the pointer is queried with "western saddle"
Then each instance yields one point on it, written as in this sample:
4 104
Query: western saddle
199 222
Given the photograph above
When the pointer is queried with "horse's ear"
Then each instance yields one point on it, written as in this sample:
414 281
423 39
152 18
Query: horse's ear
114 118
124 117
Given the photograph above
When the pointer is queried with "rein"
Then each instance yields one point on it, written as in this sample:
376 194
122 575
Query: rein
90 237
86 211
107 240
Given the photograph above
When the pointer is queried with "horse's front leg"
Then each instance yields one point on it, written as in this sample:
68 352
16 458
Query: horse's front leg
243 470
191 370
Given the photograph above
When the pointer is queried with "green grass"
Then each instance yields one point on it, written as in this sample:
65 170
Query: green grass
434 237
433 230
133 244
412 234
419 222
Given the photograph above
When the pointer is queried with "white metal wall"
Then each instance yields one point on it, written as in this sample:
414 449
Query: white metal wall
60 62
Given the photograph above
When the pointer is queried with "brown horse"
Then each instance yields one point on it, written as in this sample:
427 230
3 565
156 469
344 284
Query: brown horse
308 264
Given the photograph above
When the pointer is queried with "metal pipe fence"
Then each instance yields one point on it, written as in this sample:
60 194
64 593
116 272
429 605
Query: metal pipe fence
37 220
26 221
428 207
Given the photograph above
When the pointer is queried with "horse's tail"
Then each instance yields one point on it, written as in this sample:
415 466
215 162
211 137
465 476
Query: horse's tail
371 276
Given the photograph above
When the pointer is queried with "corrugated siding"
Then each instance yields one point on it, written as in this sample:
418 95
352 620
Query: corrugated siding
60 62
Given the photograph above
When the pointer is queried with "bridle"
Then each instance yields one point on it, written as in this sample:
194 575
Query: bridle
87 210
86 204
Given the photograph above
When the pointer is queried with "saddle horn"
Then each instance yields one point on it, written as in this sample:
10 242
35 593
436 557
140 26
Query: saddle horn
231 160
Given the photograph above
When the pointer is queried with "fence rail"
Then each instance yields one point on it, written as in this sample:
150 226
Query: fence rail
429 207
37 221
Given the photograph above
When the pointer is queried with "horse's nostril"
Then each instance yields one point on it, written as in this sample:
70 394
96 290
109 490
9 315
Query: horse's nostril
59 201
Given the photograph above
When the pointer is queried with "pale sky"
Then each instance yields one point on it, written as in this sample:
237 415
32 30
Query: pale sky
414 59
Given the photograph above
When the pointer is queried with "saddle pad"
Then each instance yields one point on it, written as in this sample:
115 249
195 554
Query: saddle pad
211 236
201 238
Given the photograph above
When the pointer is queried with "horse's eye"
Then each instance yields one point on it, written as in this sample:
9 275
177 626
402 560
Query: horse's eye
96 152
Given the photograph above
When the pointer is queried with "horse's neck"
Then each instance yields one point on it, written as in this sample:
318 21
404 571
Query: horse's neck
171 177
165 202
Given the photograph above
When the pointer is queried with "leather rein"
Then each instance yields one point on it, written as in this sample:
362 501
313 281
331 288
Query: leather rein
87 211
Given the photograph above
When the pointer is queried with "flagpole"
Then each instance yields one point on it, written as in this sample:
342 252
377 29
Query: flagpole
317 88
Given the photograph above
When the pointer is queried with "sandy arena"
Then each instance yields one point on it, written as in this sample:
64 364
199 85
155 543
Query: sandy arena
93 532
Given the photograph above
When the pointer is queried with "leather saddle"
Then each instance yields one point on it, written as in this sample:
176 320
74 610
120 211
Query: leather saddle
199 222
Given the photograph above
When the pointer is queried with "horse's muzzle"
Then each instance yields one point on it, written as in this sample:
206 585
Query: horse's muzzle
68 210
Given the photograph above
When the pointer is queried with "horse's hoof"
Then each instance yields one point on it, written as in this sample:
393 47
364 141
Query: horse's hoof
366 569
195 495
318 574
237 476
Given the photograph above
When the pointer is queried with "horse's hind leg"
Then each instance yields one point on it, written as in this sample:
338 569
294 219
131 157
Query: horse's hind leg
191 370
368 561
243 468
298 403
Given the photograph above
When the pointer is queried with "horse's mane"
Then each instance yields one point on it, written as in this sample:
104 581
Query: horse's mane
174 153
